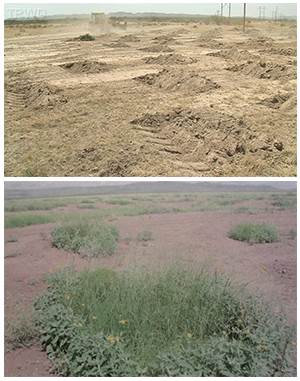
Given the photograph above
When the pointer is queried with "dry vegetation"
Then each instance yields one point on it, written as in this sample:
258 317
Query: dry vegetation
162 98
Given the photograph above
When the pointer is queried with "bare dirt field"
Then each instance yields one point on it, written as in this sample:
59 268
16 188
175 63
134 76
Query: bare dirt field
183 237
159 99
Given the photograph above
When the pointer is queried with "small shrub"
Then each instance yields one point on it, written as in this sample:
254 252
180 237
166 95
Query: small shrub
92 239
254 233
86 37
145 236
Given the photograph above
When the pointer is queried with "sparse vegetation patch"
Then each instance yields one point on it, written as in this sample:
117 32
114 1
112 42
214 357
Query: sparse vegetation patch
87 239
254 233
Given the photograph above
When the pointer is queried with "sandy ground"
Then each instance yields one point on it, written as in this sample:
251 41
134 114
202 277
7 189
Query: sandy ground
184 239
165 99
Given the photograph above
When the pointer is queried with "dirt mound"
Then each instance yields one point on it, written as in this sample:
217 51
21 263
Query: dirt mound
233 54
259 42
157 48
118 44
210 44
276 101
43 95
265 70
88 67
205 135
170 59
190 82
164 39
129 38
36 95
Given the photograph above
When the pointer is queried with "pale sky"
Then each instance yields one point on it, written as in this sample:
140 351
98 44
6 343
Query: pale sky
42 9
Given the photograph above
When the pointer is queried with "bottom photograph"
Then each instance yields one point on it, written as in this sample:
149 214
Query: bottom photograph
156 278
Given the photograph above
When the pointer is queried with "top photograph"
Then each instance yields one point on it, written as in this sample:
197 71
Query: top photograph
123 90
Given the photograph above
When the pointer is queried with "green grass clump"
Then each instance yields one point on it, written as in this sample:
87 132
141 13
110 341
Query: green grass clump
86 37
254 233
171 323
23 219
91 239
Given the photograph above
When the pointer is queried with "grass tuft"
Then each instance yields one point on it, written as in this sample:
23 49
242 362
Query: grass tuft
87 239
254 233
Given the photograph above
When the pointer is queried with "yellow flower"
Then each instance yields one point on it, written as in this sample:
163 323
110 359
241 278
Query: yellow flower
94 317
67 297
123 322
189 335
83 305
113 339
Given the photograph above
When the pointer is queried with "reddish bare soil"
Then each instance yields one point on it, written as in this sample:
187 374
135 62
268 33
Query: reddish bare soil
192 239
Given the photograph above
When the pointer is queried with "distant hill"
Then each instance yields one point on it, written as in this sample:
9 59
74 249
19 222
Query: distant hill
32 189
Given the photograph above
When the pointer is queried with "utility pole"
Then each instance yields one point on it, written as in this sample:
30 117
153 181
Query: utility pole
244 22
222 6
276 14
229 10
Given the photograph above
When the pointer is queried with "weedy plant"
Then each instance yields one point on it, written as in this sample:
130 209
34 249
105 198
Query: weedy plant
171 323
86 238
86 37
254 233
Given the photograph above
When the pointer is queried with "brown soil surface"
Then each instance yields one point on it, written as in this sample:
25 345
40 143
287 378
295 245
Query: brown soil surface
184 239
71 122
